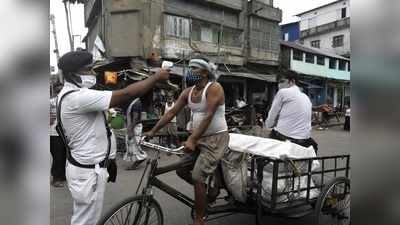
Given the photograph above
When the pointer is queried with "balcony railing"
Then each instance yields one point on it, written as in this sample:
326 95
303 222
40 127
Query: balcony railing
336 25
265 11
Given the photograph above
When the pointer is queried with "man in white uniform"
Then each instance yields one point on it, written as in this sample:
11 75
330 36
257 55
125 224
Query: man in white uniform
85 130
290 113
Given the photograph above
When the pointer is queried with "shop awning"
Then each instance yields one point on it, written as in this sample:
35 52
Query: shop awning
256 76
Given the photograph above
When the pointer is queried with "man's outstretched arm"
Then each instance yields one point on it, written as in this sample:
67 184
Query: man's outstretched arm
137 89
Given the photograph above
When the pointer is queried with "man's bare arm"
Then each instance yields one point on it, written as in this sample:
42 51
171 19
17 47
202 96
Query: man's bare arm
215 97
178 106
137 89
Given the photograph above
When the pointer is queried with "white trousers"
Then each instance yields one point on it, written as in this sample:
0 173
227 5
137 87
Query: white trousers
134 151
87 187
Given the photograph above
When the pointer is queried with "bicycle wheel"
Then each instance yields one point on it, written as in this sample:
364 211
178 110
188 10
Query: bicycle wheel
333 204
137 210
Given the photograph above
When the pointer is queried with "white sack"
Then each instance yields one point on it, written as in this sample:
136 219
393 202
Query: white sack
234 169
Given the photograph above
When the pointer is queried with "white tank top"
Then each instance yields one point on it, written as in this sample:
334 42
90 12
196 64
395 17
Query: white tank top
218 122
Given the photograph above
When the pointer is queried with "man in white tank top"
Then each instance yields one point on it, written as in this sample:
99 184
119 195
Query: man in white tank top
209 138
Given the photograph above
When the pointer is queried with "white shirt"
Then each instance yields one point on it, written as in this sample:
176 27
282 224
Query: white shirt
83 123
290 113
348 112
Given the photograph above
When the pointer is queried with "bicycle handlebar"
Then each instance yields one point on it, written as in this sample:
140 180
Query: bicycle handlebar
176 151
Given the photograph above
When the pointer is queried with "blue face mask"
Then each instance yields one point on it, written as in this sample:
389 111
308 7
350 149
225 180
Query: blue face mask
192 78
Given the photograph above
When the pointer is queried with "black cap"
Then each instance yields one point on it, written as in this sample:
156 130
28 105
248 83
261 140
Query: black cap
75 60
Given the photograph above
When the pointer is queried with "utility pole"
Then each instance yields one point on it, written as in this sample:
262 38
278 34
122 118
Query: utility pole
71 43
53 24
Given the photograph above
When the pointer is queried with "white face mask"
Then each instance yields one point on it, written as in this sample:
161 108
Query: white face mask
88 81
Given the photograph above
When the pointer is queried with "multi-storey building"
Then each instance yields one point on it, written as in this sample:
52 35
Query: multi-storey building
241 36
324 76
327 27
233 32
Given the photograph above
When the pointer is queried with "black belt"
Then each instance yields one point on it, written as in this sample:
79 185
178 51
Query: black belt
86 166
303 142
284 137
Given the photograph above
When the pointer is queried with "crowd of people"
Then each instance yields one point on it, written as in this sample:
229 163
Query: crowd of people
83 148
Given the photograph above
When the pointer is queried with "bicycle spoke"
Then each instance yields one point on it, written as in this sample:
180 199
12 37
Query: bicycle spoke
112 222
117 218
121 217
128 215
156 219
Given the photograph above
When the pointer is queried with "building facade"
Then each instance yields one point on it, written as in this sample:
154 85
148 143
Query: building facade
241 36
327 27
290 32
234 32
324 76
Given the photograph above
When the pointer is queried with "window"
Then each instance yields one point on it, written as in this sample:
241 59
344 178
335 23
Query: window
203 31
343 13
315 44
297 55
320 60
309 58
206 34
342 65
332 63
337 41
177 26
348 68
232 37
286 37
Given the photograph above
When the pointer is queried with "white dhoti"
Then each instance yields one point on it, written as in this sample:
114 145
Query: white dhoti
87 187
135 152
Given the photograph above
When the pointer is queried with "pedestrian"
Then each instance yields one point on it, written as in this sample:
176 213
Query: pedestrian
209 139
290 113
170 129
134 154
347 115
325 110
84 127
57 148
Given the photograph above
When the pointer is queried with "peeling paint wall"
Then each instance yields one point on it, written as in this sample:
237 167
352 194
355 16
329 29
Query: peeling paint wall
136 28
175 48
204 12
234 4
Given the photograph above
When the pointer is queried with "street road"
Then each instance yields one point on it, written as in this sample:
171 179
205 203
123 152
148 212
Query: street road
331 142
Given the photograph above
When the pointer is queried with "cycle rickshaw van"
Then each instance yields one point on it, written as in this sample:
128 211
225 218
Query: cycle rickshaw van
275 178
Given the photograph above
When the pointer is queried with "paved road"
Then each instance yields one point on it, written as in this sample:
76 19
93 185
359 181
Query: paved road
331 141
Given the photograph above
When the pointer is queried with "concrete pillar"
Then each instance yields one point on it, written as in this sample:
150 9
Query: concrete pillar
325 95
335 92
